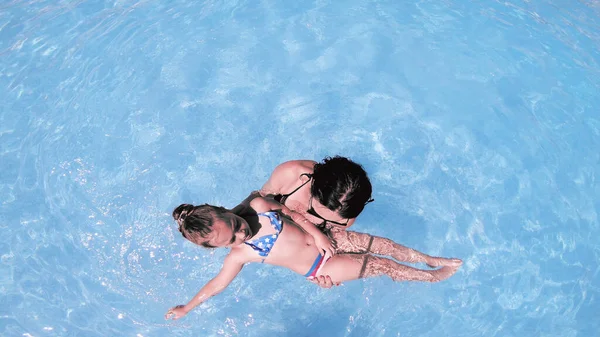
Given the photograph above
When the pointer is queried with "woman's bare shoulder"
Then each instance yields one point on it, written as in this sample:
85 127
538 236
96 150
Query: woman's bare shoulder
286 175
291 170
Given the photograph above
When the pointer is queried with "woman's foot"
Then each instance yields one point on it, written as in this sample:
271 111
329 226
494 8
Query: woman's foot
443 273
435 262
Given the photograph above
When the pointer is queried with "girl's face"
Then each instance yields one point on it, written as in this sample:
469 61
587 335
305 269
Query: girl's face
228 231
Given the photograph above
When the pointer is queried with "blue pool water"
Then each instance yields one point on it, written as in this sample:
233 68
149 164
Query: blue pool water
477 121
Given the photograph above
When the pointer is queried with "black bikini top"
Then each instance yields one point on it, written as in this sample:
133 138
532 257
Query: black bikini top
281 198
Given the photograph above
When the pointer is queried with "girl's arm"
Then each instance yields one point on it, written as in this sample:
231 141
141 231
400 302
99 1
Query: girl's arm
231 267
321 240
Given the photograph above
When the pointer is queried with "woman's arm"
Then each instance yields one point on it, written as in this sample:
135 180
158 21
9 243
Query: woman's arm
321 240
285 175
240 209
231 268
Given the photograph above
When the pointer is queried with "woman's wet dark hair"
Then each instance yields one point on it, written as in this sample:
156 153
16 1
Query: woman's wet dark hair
195 222
341 185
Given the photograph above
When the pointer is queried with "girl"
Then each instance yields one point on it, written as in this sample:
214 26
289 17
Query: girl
260 233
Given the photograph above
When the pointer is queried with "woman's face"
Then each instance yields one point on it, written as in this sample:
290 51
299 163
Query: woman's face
320 213
228 230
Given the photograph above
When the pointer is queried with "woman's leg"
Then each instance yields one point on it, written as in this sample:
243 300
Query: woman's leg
379 266
355 242
346 267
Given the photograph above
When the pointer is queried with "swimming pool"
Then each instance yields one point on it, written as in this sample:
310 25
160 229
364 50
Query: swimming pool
477 122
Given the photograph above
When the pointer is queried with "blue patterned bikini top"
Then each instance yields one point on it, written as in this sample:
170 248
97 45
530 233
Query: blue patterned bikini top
264 244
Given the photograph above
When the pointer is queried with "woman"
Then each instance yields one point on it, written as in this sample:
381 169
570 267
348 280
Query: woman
331 194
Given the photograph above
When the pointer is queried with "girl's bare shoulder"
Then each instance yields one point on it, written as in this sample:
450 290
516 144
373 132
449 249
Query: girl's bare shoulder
238 255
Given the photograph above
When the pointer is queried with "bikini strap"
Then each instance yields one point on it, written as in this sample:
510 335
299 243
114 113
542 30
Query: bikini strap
299 187
274 219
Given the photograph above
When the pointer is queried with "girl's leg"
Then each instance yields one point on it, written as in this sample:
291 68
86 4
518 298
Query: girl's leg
343 267
355 242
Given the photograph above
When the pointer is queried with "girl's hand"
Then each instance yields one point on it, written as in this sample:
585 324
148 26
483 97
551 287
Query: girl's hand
176 312
324 245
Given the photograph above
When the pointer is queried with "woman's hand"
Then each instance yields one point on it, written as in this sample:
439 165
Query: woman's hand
176 312
324 245
322 242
